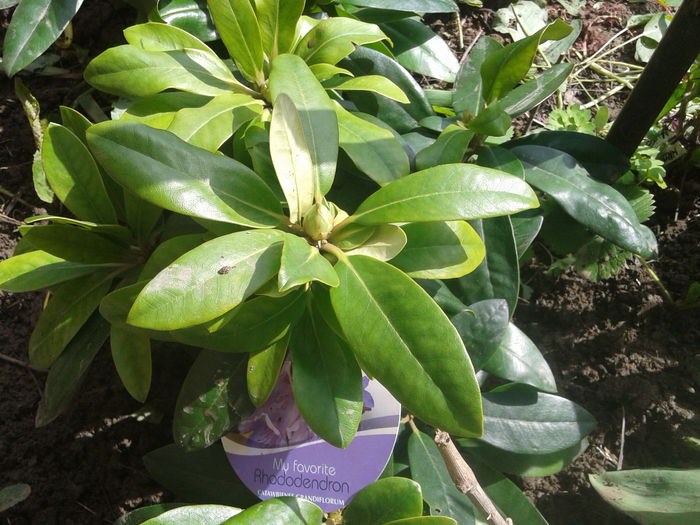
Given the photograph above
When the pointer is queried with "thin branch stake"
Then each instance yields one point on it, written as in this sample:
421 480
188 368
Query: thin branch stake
465 480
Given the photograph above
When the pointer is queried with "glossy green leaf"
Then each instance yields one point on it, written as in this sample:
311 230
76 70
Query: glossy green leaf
446 193
482 327
191 15
74 176
385 500
528 95
165 171
211 125
35 270
407 343
519 419
138 516
68 371
602 160
192 70
401 117
469 86
16 493
131 353
419 49
70 306
6 4
450 147
168 251
526 465
212 399
440 250
526 230
414 6
492 121
41 185
278 22
239 29
141 216
202 476
292 158
653 496
442 295
35 25
263 371
506 67
326 71
302 263
374 150
498 275
424 520
518 359
195 514
115 232
333 39
386 241
594 204
154 36
287 511
77 244
374 83
327 381
75 122
439 491
208 281
159 110
291 76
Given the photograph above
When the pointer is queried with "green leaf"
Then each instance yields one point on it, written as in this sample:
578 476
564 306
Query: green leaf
131 353
526 230
332 39
35 25
302 263
414 6
37 269
386 241
594 204
75 122
519 419
212 400
492 121
498 275
292 158
327 382
326 71
168 251
77 244
503 69
239 29
518 359
440 250
208 281
374 150
159 110
401 117
528 95
41 185
419 49
287 511
384 500
154 36
502 159
74 176
374 83
68 371
291 76
442 295
191 15
13 494
69 308
482 327
141 216
439 491
165 171
652 496
446 193
200 476
115 232
199 514
263 370
211 125
469 86
115 71
526 465
450 147
424 520
138 516
407 343
278 22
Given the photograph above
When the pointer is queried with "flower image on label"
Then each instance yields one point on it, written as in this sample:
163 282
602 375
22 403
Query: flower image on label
275 453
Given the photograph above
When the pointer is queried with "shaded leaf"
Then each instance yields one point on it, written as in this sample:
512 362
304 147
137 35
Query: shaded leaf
415 6
278 22
154 36
384 500
384 244
528 95
469 86
482 327
13 494
131 353
263 370
35 270
450 147
77 244
191 15
302 263
199 514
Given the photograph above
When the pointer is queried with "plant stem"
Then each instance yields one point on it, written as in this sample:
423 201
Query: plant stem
465 480
18 362
600 69
664 291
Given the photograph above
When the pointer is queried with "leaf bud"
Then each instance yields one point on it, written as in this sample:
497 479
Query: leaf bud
318 221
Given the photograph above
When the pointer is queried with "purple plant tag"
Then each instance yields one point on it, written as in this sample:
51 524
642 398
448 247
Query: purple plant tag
275 453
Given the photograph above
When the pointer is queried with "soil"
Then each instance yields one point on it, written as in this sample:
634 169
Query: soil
615 347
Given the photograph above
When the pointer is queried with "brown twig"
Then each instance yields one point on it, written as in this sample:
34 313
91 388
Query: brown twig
17 362
465 480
